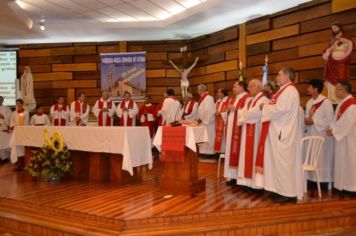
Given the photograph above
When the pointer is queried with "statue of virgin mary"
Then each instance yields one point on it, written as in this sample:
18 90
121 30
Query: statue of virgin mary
27 93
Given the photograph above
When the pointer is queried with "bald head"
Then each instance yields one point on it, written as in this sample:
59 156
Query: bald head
255 87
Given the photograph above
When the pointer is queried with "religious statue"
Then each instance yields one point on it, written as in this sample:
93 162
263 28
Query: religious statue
27 93
184 72
338 58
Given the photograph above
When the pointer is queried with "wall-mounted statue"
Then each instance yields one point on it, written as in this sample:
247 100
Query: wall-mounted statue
338 58
184 71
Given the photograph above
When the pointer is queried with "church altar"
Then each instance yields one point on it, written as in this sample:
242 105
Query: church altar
182 177
99 152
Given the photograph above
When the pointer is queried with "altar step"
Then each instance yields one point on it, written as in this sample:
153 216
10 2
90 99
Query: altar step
336 218
24 218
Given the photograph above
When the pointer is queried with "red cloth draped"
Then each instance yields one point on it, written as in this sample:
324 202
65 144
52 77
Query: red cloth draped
219 125
338 70
61 122
264 131
349 102
100 117
129 120
250 141
236 135
148 110
173 143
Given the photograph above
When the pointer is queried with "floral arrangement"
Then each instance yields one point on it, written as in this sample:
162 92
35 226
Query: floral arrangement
53 160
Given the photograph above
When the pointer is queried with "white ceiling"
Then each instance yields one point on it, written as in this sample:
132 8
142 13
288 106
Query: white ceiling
113 20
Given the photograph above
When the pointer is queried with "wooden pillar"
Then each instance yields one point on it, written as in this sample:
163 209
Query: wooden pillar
70 95
123 46
242 44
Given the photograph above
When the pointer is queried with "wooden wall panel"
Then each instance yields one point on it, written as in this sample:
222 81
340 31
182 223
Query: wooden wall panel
273 34
295 37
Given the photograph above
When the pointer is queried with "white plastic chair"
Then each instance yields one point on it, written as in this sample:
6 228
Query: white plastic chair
312 146
221 157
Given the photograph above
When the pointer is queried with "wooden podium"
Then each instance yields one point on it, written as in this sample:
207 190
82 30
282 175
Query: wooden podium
182 177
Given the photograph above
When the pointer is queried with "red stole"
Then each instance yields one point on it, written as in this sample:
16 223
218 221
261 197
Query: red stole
338 70
343 107
315 107
173 143
203 97
80 108
190 108
236 134
148 110
100 117
264 131
59 122
250 140
129 120
219 125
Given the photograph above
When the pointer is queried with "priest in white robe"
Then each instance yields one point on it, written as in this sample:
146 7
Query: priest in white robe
250 120
170 108
127 111
104 110
189 110
206 117
343 129
19 117
60 113
220 120
39 118
319 114
233 132
279 151
79 112
5 113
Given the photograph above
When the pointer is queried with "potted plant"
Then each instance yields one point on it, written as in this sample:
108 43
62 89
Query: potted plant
52 161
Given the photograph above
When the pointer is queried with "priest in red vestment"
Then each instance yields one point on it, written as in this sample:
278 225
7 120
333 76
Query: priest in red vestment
127 111
60 113
146 115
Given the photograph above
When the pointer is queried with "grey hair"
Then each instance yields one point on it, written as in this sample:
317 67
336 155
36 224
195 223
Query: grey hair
290 72
202 87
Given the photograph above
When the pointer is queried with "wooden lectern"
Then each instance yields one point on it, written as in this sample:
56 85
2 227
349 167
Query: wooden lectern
182 177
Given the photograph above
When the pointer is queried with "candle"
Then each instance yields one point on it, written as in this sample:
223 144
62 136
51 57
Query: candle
266 59
240 65
21 120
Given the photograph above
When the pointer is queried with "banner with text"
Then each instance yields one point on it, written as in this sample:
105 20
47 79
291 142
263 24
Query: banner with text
8 74
122 72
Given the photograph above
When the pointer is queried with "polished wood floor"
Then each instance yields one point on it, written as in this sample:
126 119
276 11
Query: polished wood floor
134 205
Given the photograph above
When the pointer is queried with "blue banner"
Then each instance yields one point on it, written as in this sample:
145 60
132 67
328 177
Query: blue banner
122 72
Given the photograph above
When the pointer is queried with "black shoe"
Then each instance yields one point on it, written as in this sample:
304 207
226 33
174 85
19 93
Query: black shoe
350 194
256 191
283 199
231 182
